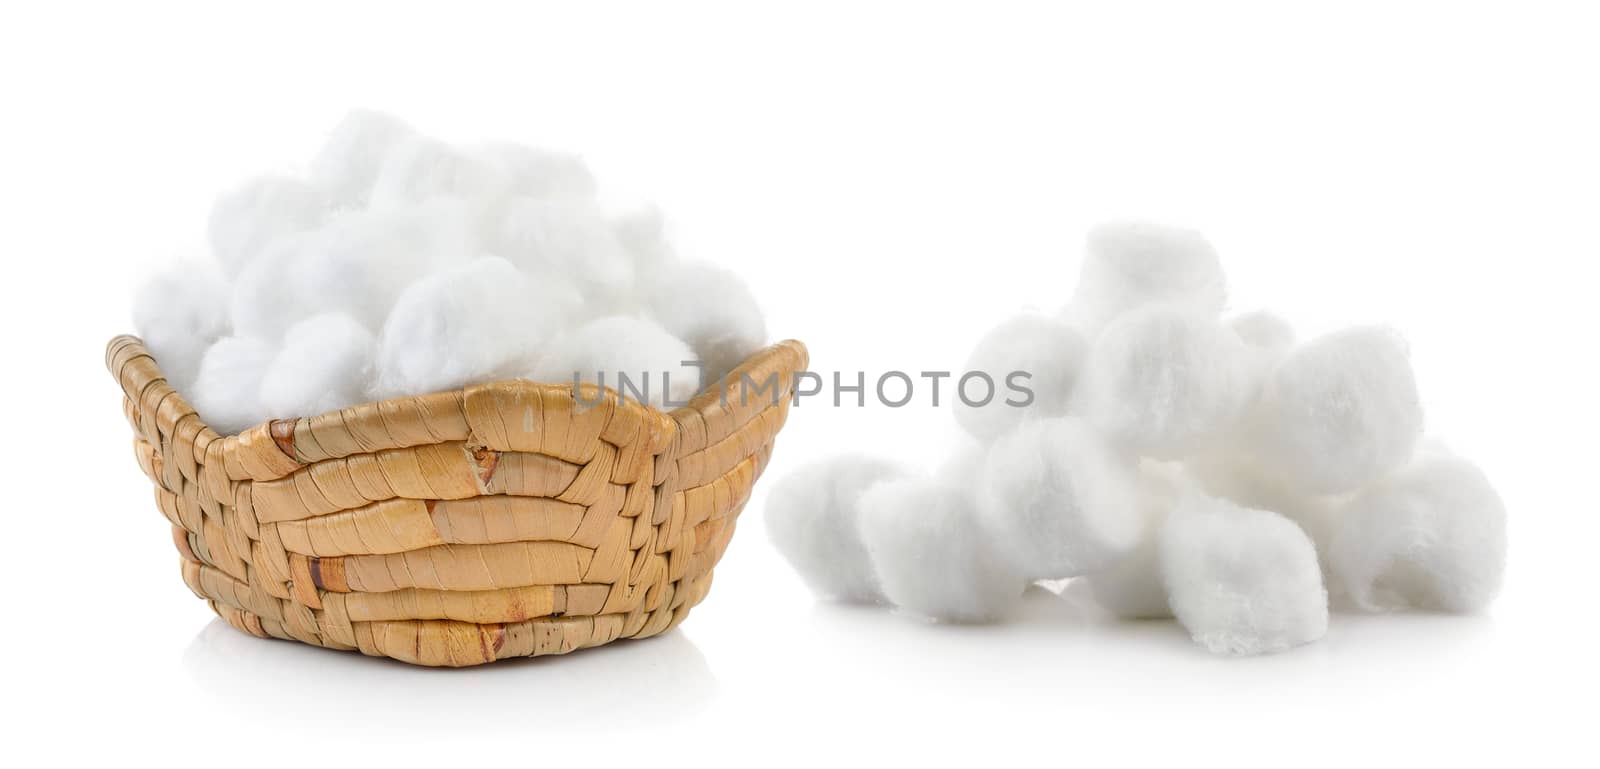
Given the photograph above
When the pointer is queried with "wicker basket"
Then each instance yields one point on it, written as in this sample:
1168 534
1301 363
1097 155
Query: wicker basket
503 520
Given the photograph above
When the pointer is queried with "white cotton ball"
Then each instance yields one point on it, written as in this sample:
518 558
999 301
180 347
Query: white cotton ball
711 309
324 366
1231 476
420 169
359 263
813 518
539 173
643 235
963 464
1267 339
570 238
1432 536
227 391
1131 587
1241 581
634 356
247 219
1228 474
1263 331
267 297
930 554
1051 354
179 313
1338 412
478 322
1165 382
348 164
1130 264
1056 501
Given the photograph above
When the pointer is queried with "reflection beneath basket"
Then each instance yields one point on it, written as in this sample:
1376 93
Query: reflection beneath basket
661 678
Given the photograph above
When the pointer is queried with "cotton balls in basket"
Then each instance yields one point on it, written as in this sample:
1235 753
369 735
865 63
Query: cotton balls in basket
397 264
1182 463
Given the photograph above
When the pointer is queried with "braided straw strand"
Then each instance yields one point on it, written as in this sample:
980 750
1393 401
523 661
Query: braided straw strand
508 519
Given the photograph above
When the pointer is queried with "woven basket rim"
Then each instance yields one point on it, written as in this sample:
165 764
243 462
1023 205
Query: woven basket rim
706 396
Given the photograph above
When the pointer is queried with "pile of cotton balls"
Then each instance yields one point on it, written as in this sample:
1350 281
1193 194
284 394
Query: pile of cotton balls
400 265
1182 463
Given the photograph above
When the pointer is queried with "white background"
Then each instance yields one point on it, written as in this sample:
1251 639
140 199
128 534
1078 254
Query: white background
891 181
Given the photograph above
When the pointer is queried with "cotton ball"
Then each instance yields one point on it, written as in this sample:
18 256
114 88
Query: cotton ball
226 393
1131 587
1264 331
421 169
1165 382
1232 477
324 366
1432 536
348 164
643 236
573 239
1048 350
930 554
473 323
813 518
634 356
539 173
1227 474
1241 581
711 309
1338 412
1130 264
1267 339
246 220
359 263
178 314
266 298
963 465
1056 501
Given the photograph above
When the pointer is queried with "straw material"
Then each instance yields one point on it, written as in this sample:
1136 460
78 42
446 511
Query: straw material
503 520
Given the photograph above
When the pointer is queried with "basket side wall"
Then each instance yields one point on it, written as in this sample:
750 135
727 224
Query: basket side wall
502 520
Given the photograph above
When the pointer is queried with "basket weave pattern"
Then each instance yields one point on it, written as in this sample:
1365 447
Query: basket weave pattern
502 520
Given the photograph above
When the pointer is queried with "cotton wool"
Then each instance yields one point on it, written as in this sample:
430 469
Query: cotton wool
1131 264
642 232
1431 536
574 239
478 322
1165 382
463 264
1338 412
246 220
813 518
538 173
1045 348
712 310
351 158
180 313
1264 331
324 365
930 554
227 390
1056 500
634 356
963 463
421 168
1241 581
1131 588
359 264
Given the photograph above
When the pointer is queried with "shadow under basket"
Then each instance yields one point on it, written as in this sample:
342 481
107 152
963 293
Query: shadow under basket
509 519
